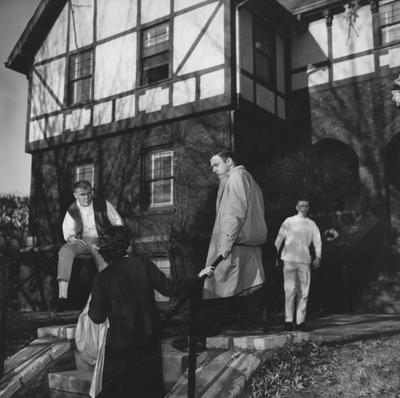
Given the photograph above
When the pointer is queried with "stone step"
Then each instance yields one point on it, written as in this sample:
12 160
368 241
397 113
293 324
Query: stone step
256 342
26 370
66 332
68 384
220 374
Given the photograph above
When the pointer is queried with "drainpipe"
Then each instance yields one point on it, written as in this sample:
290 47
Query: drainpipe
232 119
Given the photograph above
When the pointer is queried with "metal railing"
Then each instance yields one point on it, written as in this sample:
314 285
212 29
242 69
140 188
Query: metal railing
194 298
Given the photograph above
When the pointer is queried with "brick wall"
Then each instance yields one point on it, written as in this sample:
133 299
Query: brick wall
118 168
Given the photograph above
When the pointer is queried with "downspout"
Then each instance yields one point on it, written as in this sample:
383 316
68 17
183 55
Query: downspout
232 119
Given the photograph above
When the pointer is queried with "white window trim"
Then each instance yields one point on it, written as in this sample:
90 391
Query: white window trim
77 172
161 154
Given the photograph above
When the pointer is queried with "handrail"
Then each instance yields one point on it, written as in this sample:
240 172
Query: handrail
192 296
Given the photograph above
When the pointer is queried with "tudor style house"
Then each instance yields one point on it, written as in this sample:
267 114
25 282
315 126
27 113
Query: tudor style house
134 95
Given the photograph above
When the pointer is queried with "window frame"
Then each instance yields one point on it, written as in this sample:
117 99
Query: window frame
148 183
72 82
74 171
151 52
382 26
261 25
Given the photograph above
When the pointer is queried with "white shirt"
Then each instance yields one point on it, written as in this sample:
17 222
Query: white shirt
89 232
298 233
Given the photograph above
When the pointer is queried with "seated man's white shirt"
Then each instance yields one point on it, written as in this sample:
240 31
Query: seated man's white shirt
89 233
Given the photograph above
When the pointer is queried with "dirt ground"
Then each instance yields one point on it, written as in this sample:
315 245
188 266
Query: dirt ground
362 369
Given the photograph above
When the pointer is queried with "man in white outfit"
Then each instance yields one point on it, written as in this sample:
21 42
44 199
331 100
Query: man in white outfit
84 223
297 233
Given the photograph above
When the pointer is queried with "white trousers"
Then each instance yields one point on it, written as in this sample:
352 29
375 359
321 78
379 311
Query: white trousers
297 278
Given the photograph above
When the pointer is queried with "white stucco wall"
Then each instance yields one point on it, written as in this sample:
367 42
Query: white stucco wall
53 74
81 25
55 42
115 16
154 9
115 70
186 29
347 41
184 91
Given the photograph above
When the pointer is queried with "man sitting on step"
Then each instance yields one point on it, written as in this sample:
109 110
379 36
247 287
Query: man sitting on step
85 221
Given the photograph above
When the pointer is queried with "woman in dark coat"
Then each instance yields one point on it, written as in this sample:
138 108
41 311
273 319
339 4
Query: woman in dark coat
123 292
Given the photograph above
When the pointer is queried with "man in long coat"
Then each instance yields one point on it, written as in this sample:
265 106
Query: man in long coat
238 233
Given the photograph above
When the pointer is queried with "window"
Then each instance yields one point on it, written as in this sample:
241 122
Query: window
389 22
159 179
263 53
84 171
80 77
164 265
155 53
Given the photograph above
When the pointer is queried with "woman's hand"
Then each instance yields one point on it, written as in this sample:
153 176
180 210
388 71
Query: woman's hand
208 271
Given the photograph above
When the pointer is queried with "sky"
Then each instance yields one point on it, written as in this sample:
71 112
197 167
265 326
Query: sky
15 164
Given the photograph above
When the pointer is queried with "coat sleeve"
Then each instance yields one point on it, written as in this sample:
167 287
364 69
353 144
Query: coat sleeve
164 285
235 208
99 306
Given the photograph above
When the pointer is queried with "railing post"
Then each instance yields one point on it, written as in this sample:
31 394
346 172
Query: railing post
194 308
3 333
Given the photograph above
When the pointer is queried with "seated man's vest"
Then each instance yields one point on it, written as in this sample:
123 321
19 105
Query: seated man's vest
100 216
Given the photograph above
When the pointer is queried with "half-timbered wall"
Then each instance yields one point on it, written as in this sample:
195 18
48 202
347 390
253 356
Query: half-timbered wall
336 48
269 96
199 71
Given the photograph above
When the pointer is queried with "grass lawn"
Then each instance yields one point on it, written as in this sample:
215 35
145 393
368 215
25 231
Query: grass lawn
362 369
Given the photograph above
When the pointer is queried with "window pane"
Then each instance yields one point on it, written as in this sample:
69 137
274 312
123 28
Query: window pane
80 91
156 35
390 33
155 74
389 13
161 192
84 172
262 67
81 65
159 182
155 54
263 40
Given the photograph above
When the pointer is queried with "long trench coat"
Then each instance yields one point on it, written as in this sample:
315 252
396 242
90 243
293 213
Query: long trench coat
240 225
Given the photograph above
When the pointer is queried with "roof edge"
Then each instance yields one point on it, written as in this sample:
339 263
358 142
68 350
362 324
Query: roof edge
36 30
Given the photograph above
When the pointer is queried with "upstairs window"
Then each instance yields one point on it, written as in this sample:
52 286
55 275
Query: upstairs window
263 43
80 77
389 22
159 179
84 171
155 53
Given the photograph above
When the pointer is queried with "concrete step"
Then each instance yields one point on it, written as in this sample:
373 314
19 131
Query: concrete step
68 384
220 374
60 331
256 342
25 371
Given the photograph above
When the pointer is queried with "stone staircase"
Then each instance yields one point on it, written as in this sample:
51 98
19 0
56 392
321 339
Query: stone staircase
222 371
50 367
